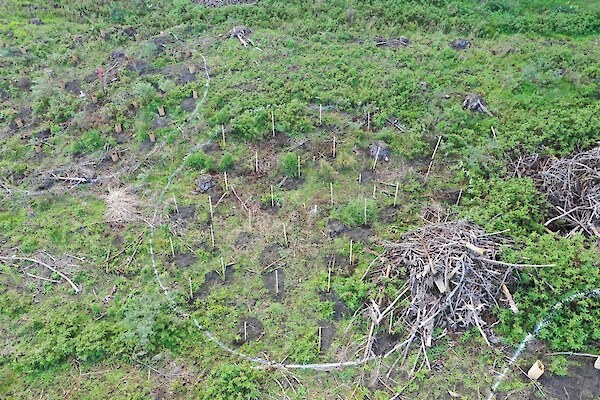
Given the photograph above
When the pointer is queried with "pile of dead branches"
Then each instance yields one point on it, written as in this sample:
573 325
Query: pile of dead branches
453 279
573 189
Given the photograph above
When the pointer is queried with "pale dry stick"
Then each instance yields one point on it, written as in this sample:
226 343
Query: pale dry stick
172 249
42 278
256 161
277 281
223 134
273 122
220 199
240 200
191 290
223 268
494 133
245 331
433 157
374 190
298 166
369 340
285 238
43 264
212 235
459 196
331 192
320 334
212 216
351 251
396 193
376 157
226 182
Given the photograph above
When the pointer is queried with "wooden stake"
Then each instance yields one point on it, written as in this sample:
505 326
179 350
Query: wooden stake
118 127
277 281
376 157
298 166
38 148
333 150
272 197
95 99
223 268
374 190
223 134
226 183
285 238
360 177
396 193
194 94
176 206
331 192
115 156
320 114
210 208
256 161
152 137
191 290
161 111
391 322
273 122
245 331
351 251
172 249
19 122
459 196
192 68
212 235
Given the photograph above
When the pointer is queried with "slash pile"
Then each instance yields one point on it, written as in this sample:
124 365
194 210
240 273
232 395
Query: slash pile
573 189
453 277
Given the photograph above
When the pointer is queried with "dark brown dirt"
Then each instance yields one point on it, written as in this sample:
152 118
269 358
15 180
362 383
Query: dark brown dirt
270 255
340 310
291 183
359 234
275 283
23 83
73 87
211 280
389 214
161 122
335 228
385 342
243 240
581 383
185 213
327 335
183 260
189 105
254 330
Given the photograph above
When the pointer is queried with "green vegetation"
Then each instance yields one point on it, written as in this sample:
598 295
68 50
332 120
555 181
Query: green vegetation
257 265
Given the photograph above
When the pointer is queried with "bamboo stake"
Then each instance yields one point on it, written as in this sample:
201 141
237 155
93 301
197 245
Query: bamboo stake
351 251
273 122
433 157
191 291
223 134
256 161
368 120
320 333
276 281
331 192
245 331
226 183
320 114
210 208
212 235
329 276
223 268
172 249
285 235
272 197
396 194
374 190
376 157
298 166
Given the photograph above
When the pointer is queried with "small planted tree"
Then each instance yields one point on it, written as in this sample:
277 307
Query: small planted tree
289 165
